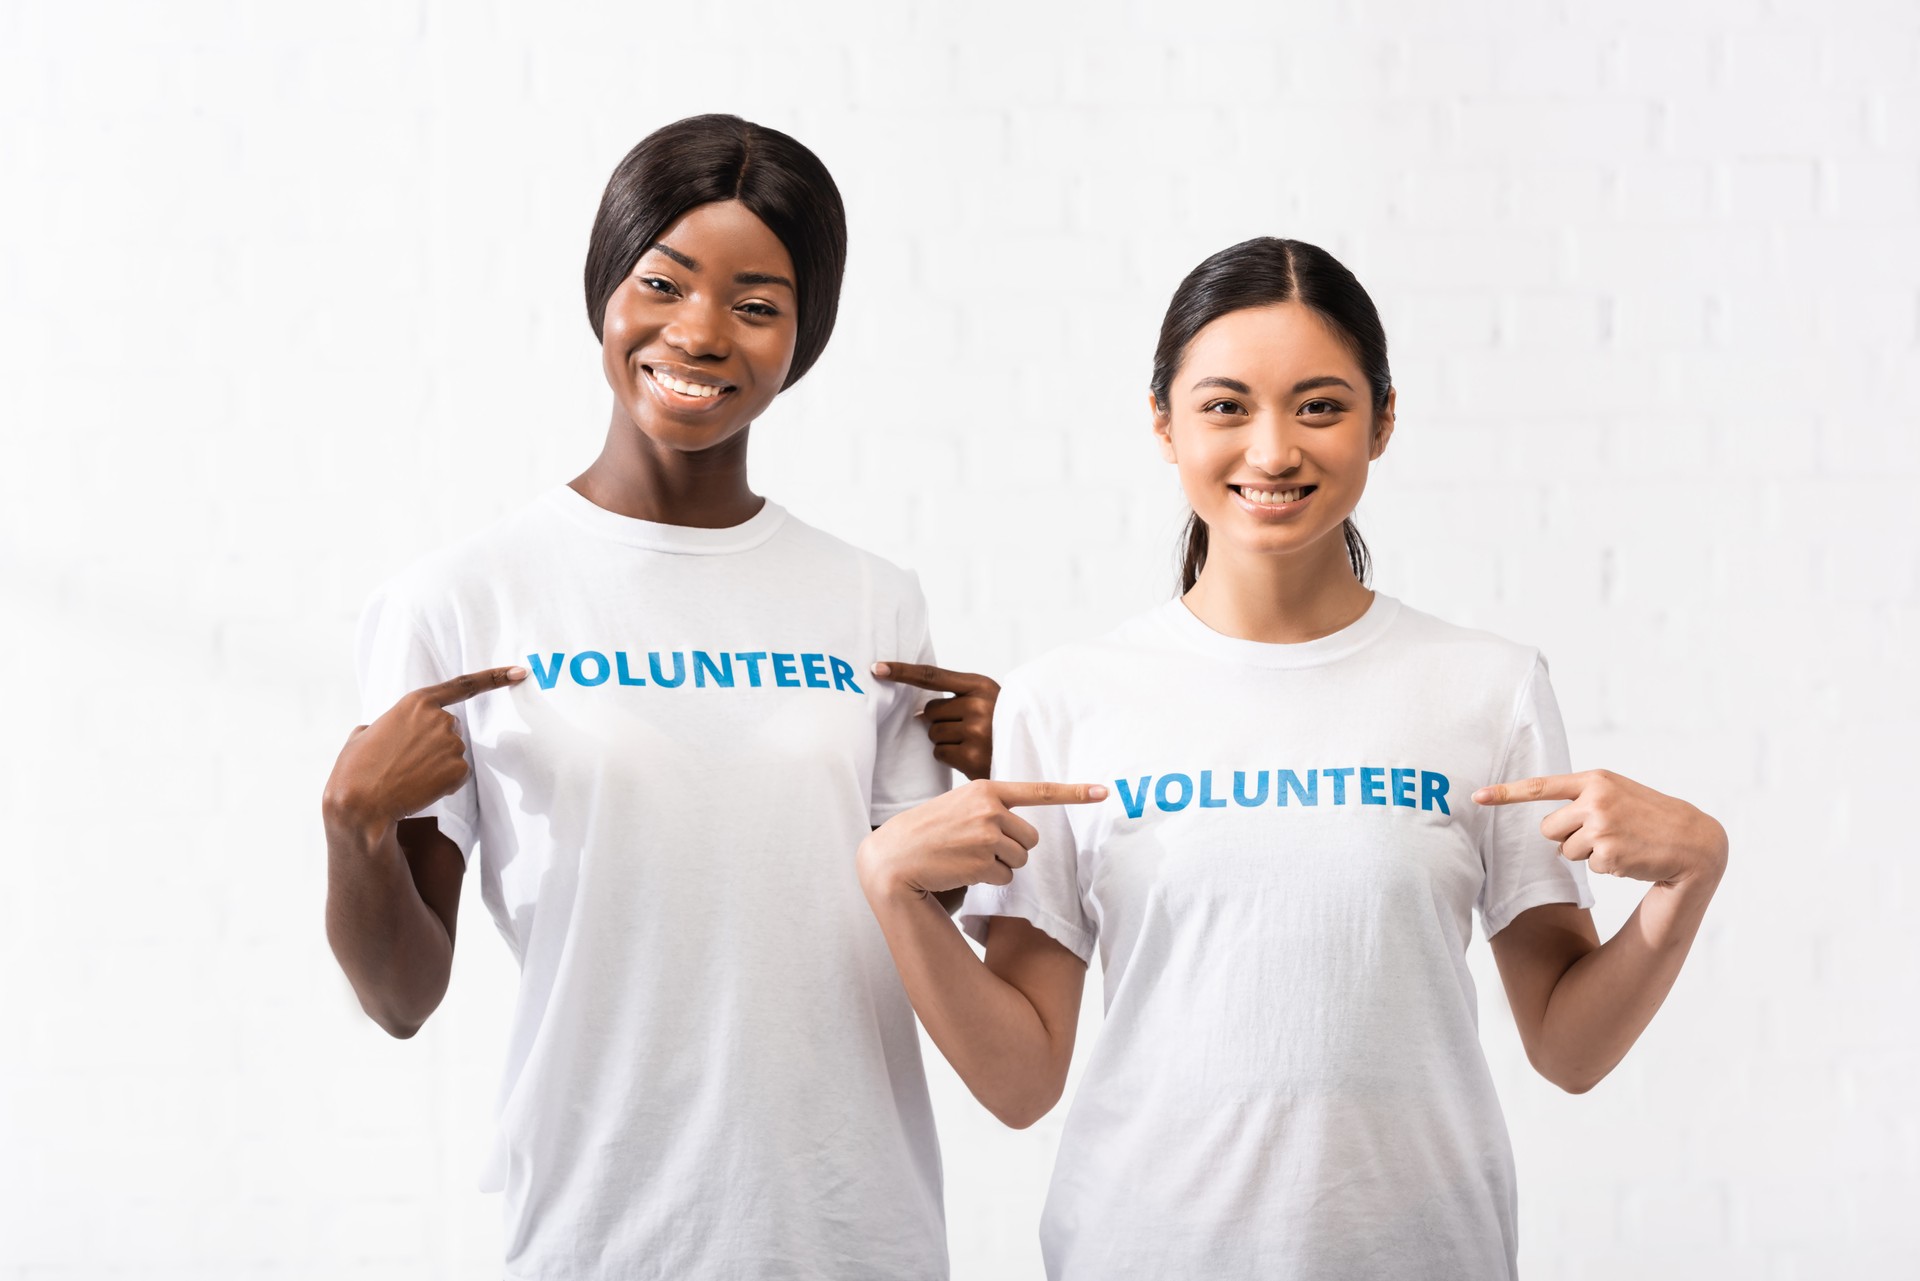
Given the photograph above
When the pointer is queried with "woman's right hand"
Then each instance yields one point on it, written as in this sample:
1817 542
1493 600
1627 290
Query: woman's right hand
408 758
966 837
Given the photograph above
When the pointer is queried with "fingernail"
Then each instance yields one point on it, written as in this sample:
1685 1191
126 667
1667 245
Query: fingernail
1481 794
878 669
515 673
1097 792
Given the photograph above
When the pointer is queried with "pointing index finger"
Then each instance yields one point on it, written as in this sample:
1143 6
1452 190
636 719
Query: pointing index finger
461 688
1013 794
1549 787
927 676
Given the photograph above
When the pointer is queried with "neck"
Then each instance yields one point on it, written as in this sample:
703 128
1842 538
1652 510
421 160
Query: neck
1279 599
639 477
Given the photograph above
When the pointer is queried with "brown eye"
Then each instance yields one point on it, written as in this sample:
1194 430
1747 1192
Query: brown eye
1220 406
1327 407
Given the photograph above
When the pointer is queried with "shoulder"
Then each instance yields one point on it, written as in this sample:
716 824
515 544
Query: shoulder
835 561
1473 652
1469 674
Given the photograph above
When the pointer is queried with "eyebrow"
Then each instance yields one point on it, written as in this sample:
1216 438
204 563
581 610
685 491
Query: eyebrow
675 254
740 278
1305 384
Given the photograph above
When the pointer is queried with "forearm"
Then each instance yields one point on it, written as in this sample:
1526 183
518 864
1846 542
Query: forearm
394 950
985 1026
1606 999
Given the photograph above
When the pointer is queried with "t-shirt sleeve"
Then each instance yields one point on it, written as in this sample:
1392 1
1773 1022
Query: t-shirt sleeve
394 656
905 772
1046 891
1524 869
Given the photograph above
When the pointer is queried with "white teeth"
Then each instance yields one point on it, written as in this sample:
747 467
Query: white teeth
685 389
1273 498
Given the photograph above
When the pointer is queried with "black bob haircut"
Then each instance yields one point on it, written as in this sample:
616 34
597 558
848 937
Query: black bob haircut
1259 273
704 159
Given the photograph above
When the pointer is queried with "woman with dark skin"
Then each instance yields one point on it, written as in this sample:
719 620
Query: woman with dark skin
1288 1081
694 1089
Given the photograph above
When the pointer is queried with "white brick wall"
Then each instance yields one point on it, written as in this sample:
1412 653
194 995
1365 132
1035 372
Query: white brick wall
289 297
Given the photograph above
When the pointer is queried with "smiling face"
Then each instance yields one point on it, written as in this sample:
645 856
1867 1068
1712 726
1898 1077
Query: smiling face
699 336
1270 420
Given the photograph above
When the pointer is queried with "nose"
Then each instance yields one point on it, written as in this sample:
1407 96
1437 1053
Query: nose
698 329
1273 446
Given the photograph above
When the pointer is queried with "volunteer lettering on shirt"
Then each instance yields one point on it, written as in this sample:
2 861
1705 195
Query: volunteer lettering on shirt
1377 783
791 670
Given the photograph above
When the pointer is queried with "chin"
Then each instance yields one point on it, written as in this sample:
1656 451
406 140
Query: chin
1281 541
686 437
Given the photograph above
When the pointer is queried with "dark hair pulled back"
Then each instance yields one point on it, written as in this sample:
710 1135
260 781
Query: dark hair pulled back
1259 273
704 159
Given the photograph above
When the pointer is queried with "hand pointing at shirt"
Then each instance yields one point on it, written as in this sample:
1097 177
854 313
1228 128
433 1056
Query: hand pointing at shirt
409 757
961 726
1621 827
968 836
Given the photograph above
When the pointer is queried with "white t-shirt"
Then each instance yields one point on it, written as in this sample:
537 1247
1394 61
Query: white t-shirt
713 1068
1289 1080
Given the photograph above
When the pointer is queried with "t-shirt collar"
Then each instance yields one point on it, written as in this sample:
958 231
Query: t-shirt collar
653 536
1362 631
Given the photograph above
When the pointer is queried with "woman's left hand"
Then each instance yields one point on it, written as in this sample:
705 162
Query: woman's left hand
961 726
1621 827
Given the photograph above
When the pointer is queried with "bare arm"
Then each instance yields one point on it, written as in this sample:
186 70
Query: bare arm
393 896
1006 1024
1579 1004
393 883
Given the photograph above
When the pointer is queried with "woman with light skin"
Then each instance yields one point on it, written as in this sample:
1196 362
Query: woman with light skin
1273 805
645 700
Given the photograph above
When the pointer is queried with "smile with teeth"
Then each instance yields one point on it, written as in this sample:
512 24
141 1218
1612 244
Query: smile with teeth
1273 497
704 391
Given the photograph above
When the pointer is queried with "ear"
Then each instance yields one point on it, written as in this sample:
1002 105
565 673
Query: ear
1162 428
1383 426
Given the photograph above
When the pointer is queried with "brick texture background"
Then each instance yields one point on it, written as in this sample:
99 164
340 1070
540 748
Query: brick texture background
290 295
